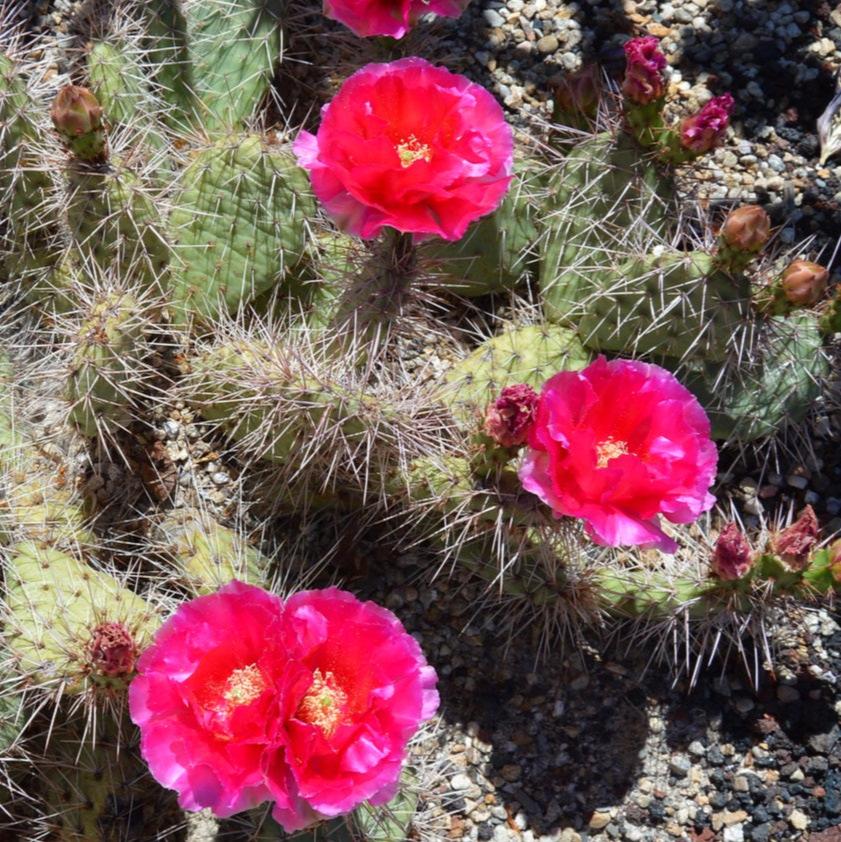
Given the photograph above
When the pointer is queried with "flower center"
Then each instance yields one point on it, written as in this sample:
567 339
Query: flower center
243 686
323 704
410 149
608 450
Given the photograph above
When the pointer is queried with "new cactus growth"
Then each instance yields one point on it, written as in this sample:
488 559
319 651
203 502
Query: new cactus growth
239 226
106 363
203 554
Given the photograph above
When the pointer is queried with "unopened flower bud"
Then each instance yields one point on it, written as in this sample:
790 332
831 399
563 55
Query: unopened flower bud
77 117
509 417
795 543
644 64
803 283
705 130
112 651
747 228
732 555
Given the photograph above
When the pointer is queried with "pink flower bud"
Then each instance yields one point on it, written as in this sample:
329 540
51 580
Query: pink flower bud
732 556
747 228
705 130
509 417
803 283
795 543
77 117
112 651
644 81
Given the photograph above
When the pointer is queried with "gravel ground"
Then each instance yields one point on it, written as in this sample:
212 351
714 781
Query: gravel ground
576 746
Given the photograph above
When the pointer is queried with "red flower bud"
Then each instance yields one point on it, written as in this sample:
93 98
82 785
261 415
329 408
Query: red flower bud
705 130
795 543
803 283
509 417
747 228
644 82
112 651
77 117
732 556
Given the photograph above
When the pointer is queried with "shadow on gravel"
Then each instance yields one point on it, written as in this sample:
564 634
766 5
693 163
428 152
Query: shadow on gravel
559 750
769 80
552 741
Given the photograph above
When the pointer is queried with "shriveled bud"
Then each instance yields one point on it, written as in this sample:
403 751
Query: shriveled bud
112 651
77 117
795 543
803 283
577 94
509 417
747 228
705 130
644 64
732 555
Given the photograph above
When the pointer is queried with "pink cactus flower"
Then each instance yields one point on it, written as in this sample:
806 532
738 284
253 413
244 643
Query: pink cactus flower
509 417
387 17
365 687
732 555
617 444
411 146
705 130
644 64
242 700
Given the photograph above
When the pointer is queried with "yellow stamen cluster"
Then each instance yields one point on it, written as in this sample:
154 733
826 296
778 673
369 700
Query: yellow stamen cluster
410 149
323 705
243 686
608 450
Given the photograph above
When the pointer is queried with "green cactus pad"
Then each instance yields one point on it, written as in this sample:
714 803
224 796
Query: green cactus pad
119 77
752 401
674 303
28 244
112 218
216 57
530 354
106 364
497 249
205 554
239 226
55 604
603 195
100 789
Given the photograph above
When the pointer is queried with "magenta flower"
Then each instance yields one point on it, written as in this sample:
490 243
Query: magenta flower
366 687
618 444
388 17
241 700
411 146
732 555
509 417
705 130
644 64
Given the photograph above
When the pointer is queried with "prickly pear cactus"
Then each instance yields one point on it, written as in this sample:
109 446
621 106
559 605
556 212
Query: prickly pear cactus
239 226
85 636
